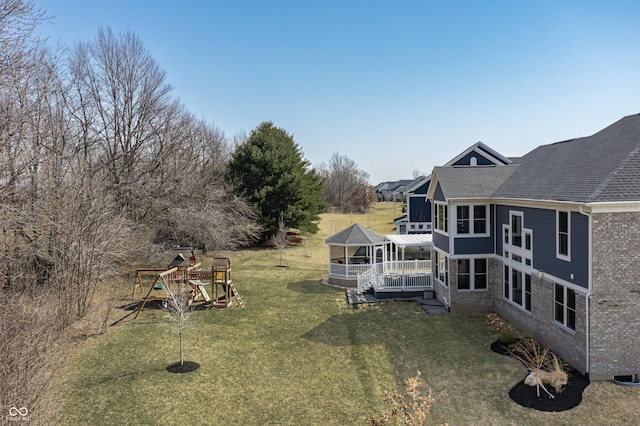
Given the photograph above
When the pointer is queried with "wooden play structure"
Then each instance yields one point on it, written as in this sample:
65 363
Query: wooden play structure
184 275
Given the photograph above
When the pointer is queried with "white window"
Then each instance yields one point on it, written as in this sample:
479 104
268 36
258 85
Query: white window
471 219
565 306
480 219
516 237
563 235
462 219
442 268
472 274
516 229
441 219
517 287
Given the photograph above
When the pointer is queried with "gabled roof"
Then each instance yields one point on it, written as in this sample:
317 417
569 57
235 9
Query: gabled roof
604 167
417 183
484 150
355 235
469 182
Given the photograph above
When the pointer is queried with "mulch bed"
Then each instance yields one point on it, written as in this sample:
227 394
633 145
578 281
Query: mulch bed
526 396
186 367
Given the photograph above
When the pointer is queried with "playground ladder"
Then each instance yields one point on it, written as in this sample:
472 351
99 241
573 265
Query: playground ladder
234 292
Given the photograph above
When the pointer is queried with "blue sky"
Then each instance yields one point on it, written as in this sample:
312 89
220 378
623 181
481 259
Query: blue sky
397 86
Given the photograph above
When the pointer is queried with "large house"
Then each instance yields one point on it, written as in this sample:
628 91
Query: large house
551 242
418 217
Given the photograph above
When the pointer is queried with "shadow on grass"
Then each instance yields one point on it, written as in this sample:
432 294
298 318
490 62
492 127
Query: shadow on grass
361 328
154 304
312 287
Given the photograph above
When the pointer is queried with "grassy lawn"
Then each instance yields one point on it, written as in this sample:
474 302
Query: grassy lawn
298 354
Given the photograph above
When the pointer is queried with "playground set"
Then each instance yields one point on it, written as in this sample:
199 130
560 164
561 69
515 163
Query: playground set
184 277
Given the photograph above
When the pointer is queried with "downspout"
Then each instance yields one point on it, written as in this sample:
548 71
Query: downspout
589 283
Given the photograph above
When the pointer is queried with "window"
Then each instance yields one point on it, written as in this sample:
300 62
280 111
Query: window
479 219
517 287
480 274
506 289
442 268
563 236
471 219
517 240
462 221
565 306
527 292
516 230
440 212
472 274
464 274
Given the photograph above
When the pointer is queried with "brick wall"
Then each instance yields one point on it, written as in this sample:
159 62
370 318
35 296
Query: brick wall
615 302
469 300
539 323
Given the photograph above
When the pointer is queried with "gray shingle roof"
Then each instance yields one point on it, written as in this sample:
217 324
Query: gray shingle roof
355 235
471 181
604 167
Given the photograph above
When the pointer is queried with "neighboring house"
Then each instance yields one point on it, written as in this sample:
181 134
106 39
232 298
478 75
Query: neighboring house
552 244
392 190
418 217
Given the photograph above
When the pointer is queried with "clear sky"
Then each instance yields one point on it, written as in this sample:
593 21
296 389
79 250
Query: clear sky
395 85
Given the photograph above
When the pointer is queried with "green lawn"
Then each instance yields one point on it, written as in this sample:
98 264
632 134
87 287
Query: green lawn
298 354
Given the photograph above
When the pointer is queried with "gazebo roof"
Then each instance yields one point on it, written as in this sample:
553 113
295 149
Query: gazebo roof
355 235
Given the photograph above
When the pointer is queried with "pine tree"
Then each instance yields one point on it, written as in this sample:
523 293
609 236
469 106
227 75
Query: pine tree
269 171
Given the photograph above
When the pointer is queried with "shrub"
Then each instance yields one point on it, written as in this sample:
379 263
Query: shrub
507 339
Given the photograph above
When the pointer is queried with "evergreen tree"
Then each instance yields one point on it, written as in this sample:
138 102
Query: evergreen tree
269 171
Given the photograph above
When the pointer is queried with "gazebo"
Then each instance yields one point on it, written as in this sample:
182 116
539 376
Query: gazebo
353 251
391 265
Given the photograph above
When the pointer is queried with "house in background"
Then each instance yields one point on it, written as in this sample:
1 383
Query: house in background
418 217
392 190
551 242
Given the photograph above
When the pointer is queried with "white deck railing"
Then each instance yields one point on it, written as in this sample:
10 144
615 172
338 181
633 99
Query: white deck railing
389 276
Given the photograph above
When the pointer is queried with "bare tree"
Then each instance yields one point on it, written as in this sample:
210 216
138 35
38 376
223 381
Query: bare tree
280 239
125 101
178 307
341 177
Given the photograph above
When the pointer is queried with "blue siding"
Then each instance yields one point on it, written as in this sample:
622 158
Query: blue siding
473 245
438 195
466 160
480 245
441 241
543 224
419 209
422 189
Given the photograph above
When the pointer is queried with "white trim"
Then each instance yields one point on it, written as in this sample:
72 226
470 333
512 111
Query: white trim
614 207
563 324
559 255
524 274
602 207
472 274
436 217
484 151
471 233
436 267
573 286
